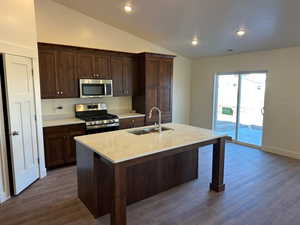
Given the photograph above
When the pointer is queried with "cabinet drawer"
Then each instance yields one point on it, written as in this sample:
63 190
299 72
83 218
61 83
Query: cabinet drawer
132 122
64 128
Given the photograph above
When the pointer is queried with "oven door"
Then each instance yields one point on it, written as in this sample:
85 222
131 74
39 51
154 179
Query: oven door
93 88
101 130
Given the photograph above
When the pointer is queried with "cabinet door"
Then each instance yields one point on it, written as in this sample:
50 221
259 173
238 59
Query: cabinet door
102 66
70 152
67 82
55 145
151 101
152 72
85 64
117 75
128 70
165 89
132 122
48 73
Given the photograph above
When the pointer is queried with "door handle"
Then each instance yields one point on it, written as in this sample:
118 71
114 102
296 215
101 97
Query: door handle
15 133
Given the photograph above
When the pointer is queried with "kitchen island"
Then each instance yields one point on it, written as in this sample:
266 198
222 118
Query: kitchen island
121 167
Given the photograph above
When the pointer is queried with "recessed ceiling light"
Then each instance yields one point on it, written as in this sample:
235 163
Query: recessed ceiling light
128 8
195 42
240 33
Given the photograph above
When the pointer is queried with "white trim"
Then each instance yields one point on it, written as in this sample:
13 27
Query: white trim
281 151
39 121
14 49
271 149
3 156
4 198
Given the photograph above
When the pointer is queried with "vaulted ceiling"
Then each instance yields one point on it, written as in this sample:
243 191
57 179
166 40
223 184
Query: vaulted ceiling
173 24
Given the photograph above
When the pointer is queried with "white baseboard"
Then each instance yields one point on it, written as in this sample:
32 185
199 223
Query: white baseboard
4 197
280 151
274 150
43 172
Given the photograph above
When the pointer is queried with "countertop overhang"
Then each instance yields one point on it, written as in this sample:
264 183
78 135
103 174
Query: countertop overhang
120 146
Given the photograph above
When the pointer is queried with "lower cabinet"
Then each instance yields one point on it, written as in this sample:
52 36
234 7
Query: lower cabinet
132 122
60 147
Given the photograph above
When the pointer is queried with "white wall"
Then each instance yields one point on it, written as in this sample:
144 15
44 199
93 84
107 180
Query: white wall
61 25
18 37
282 105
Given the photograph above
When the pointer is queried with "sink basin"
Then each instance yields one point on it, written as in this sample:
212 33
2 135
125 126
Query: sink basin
148 130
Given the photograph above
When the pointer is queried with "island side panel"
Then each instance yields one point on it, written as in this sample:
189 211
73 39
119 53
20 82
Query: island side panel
155 176
145 179
87 191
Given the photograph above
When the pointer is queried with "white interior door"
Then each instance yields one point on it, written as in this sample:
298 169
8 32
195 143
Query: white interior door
22 124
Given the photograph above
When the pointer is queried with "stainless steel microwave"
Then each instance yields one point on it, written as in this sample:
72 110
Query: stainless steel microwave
94 88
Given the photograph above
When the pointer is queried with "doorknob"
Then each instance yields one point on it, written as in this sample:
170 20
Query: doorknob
15 133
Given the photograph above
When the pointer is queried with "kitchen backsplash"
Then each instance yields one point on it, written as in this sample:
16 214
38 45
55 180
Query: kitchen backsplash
65 107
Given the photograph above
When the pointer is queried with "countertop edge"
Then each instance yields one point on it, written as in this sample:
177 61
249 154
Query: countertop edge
131 116
61 124
148 154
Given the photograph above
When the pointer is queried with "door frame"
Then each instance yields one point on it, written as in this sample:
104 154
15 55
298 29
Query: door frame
30 52
4 176
215 101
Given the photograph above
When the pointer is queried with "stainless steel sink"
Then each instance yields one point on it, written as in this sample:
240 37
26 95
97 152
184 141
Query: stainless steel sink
148 130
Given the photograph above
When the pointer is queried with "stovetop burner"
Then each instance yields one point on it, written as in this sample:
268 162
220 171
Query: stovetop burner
100 117
96 116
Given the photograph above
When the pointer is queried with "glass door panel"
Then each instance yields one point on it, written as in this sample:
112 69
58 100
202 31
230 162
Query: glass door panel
226 95
251 108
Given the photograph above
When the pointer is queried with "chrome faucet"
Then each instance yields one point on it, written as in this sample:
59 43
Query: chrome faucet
159 118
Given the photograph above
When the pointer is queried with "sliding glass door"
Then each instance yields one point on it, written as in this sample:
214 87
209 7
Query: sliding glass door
239 106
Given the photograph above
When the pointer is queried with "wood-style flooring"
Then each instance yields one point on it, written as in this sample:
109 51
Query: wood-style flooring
261 189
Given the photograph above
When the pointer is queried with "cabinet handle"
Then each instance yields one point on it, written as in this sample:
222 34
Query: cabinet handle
61 92
132 122
58 92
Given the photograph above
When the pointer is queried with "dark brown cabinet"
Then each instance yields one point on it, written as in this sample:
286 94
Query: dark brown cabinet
146 76
57 71
60 146
154 86
132 122
48 73
102 66
91 64
85 64
122 70
67 86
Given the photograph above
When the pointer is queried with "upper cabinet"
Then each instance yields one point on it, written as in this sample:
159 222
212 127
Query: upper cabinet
85 64
67 85
102 66
146 76
57 71
91 64
154 86
122 70
48 73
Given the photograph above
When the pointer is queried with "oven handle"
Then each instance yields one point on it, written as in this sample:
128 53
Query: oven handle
102 126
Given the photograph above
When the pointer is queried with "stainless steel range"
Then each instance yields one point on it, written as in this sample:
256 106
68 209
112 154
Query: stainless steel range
96 117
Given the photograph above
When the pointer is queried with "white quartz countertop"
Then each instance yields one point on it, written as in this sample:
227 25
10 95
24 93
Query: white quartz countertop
129 115
119 146
61 122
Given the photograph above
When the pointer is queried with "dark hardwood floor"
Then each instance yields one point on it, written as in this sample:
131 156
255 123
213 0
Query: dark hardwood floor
261 189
